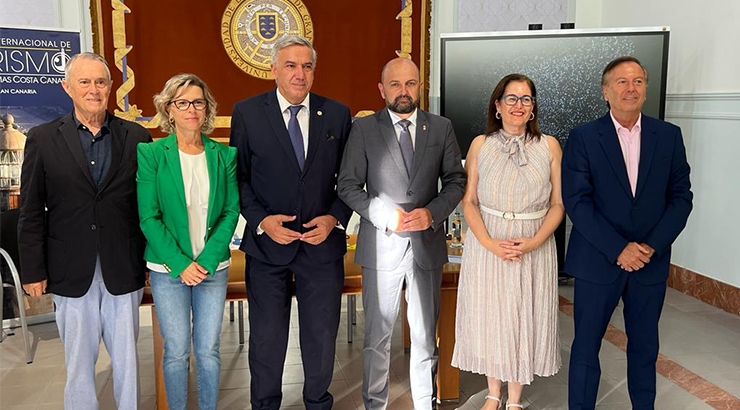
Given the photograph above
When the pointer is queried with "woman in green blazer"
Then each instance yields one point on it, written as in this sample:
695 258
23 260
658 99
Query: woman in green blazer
189 206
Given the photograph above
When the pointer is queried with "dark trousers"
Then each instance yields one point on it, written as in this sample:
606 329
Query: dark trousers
594 305
319 291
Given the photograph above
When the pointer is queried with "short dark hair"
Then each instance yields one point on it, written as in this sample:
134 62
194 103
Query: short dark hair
494 124
619 61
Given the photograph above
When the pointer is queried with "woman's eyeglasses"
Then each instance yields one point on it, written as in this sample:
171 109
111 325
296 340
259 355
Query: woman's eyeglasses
511 99
183 105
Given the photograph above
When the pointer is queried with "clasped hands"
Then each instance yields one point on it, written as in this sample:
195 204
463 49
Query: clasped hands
418 219
511 249
322 225
193 274
635 256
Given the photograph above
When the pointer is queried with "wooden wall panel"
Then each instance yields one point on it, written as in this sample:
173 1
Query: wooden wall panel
353 40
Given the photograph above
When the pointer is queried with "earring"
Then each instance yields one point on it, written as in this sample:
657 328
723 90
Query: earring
172 121
531 116
497 115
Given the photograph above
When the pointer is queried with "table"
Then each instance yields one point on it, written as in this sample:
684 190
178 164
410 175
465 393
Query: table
448 377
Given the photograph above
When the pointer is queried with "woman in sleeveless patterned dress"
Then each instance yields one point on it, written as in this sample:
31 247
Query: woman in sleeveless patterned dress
507 301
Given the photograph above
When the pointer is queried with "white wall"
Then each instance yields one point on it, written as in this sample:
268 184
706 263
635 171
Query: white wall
704 100
29 13
75 15
588 13
65 14
444 20
704 51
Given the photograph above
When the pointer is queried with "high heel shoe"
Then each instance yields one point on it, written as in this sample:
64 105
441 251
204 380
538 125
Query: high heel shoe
509 405
498 399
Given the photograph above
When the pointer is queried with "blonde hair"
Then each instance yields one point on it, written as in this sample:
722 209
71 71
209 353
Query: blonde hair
164 98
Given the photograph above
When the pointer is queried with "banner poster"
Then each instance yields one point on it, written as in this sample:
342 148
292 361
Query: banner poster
31 73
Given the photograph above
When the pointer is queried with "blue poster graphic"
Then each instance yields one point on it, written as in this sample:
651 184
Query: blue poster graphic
31 73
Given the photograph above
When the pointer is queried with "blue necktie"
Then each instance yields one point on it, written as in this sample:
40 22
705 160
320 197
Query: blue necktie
407 147
296 136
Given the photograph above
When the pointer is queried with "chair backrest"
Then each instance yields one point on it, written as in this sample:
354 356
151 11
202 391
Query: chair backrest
9 240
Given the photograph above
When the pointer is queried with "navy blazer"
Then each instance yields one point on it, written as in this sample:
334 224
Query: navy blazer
271 181
607 216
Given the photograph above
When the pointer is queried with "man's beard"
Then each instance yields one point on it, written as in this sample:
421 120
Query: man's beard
403 104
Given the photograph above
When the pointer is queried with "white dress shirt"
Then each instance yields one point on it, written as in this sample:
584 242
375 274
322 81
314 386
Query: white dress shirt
303 116
412 127
412 132
303 120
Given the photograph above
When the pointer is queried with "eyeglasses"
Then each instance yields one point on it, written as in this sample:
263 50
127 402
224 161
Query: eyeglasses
511 99
183 105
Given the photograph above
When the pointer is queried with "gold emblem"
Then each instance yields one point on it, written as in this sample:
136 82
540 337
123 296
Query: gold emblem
250 27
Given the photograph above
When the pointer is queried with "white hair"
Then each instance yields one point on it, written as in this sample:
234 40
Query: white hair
85 56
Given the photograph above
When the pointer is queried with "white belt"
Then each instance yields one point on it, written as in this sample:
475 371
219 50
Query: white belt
509 215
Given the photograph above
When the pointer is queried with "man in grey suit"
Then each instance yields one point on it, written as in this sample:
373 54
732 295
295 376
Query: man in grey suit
392 163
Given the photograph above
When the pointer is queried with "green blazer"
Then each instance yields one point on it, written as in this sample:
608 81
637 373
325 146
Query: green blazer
163 213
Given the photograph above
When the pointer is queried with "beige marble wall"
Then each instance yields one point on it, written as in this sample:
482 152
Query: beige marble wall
708 290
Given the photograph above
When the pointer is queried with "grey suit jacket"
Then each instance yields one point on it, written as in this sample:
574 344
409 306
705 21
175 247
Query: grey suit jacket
373 181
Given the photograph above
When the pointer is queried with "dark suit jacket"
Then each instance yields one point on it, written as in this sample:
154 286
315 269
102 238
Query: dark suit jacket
374 182
271 181
80 222
605 214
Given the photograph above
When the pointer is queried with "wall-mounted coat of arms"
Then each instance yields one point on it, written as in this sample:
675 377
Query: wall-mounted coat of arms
250 27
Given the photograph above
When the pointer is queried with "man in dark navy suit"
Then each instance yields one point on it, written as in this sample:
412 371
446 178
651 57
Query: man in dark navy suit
626 188
290 144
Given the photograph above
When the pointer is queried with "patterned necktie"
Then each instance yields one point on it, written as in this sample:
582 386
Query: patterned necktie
296 136
407 147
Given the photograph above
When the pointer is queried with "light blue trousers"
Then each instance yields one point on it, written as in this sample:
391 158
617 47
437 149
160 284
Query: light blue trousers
190 313
82 322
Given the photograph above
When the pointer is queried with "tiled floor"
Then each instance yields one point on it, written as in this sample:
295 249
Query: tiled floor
701 338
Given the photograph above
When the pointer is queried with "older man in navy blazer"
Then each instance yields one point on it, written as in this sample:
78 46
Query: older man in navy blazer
626 188
290 145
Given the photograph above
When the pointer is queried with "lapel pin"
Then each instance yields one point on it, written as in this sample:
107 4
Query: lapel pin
424 127
319 113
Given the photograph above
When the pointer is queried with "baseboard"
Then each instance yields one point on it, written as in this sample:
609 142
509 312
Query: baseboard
708 290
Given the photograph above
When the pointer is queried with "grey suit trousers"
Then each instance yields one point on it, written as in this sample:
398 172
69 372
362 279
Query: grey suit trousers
381 296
